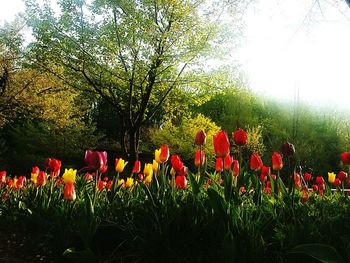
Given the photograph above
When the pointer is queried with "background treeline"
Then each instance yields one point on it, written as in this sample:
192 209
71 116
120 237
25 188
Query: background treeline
131 81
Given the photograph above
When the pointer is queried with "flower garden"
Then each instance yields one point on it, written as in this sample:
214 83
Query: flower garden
247 210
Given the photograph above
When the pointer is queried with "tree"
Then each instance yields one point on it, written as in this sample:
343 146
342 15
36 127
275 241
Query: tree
132 54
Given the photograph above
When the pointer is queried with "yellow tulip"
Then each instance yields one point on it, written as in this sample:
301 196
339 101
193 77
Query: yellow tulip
148 179
120 164
157 155
148 170
121 182
69 176
33 178
331 177
129 182
155 166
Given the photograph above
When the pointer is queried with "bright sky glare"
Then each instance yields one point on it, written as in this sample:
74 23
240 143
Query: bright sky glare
288 45
295 45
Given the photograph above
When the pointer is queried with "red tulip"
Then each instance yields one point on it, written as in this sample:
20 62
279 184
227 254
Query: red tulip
345 157
319 180
96 160
178 165
164 153
101 185
54 166
287 149
277 162
265 170
69 192
219 165
228 162
307 177
321 187
9 183
235 168
21 182
197 159
221 144
109 185
181 181
263 177
274 177
240 137
348 183
337 182
342 175
35 170
200 138
255 162
315 187
3 177
137 167
41 179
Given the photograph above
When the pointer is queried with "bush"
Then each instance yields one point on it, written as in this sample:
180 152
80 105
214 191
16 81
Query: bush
180 137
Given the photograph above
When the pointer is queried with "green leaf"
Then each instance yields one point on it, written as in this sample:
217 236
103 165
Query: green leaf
321 252
217 202
194 184
228 185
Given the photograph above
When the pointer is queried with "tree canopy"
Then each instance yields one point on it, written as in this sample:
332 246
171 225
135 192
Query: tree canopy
130 53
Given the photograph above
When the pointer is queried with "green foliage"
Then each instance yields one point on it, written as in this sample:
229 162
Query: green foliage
180 138
30 142
318 135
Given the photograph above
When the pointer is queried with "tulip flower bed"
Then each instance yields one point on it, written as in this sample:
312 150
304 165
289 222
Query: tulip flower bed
165 213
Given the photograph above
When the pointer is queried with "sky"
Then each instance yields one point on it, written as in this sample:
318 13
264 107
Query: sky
288 47
297 46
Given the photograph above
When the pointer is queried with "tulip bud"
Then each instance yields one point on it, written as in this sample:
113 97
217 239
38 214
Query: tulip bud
137 167
218 165
307 177
342 175
181 181
199 158
221 144
235 168
200 138
41 179
101 184
129 182
288 149
120 165
109 185
255 162
69 176
69 192
228 162
277 162
337 182
3 177
240 137
331 177
148 169
319 180
164 153
345 157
